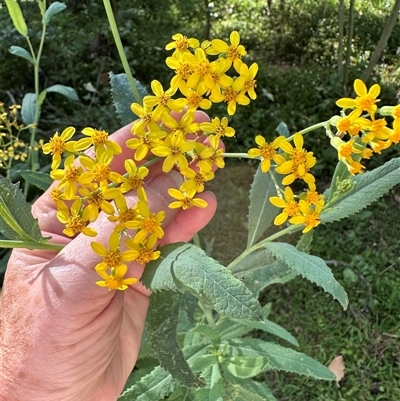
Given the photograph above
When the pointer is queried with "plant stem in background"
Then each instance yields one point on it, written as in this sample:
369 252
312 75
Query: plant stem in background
121 51
349 44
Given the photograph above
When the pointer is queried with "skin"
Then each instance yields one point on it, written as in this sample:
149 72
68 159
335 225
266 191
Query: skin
62 337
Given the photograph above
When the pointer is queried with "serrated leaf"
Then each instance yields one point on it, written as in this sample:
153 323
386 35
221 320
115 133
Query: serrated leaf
281 358
54 9
235 391
213 283
16 220
305 241
310 267
260 389
368 187
37 178
163 316
21 52
259 270
154 386
122 96
261 211
28 108
17 17
203 362
244 366
66 91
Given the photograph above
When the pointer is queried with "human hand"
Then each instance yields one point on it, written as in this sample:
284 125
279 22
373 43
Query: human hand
64 338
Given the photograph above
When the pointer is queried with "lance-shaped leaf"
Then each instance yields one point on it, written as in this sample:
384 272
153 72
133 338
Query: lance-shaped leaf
367 188
66 91
261 211
260 269
213 283
54 9
244 366
164 310
310 267
281 358
16 220
122 96
214 393
28 108
21 52
17 17
37 178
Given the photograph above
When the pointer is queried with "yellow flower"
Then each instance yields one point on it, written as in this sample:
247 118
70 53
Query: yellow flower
351 124
185 200
174 150
144 141
299 163
135 178
97 200
288 204
116 280
394 136
196 180
148 118
58 145
247 76
148 223
232 95
162 99
183 70
184 126
112 257
232 52
267 152
181 43
144 252
194 98
99 171
377 130
100 141
124 214
201 68
218 127
310 215
218 80
74 223
365 100
212 154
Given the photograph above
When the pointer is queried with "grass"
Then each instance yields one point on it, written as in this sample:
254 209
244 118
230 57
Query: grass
364 254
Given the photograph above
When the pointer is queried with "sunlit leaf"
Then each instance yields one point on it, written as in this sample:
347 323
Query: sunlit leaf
54 9
17 17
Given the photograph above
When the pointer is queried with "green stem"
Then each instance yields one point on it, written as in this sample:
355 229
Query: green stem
208 314
121 51
238 155
288 230
309 129
30 245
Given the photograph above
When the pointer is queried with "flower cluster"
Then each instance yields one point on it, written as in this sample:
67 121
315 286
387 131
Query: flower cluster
12 147
366 135
166 129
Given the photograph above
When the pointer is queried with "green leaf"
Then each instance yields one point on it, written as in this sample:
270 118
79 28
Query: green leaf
214 393
367 188
21 52
163 316
203 362
281 358
261 211
235 391
341 173
154 386
305 241
188 267
54 9
244 366
16 220
310 267
17 17
259 270
28 108
66 91
37 178
209 332
283 129
123 98
260 389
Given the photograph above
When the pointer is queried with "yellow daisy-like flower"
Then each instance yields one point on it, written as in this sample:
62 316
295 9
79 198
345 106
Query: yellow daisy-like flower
247 76
59 144
218 127
148 118
300 161
149 223
394 136
232 95
144 252
233 52
124 213
99 139
99 171
310 215
112 257
135 178
377 130
351 124
185 200
144 141
194 98
365 100
181 43
218 80
195 180
74 223
289 205
183 70
211 155
97 200
184 126
174 150
115 280
267 152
